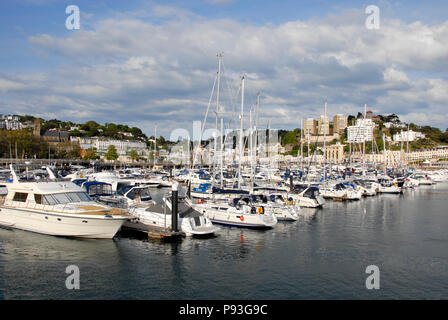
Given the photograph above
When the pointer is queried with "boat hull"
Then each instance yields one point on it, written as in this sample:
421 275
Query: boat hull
64 225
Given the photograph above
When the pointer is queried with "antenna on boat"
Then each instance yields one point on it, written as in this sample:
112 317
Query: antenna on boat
13 173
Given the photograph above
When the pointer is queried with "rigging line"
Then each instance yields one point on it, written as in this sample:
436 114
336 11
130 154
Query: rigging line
205 120
230 91
234 113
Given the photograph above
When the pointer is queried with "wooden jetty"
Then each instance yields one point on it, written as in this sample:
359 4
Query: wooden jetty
152 232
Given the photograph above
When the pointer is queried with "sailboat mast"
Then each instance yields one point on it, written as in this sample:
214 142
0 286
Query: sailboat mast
407 142
218 110
384 152
250 150
241 131
301 145
325 149
364 140
256 124
155 145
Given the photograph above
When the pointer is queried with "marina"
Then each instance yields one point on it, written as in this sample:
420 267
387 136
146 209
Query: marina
323 255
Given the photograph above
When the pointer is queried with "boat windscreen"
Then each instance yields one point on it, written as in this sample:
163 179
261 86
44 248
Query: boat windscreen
311 193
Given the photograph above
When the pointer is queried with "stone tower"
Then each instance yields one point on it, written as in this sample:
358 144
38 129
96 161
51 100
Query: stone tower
36 127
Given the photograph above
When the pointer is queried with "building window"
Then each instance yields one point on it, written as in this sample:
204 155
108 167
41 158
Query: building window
19 196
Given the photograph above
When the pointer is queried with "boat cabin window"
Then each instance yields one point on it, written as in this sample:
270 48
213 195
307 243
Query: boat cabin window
131 194
311 193
49 200
20 196
100 189
123 189
62 198
144 192
38 198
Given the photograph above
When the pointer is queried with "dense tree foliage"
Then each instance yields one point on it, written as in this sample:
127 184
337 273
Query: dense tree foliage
134 155
91 154
111 153
28 145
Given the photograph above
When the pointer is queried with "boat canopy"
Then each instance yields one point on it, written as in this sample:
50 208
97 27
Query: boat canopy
97 188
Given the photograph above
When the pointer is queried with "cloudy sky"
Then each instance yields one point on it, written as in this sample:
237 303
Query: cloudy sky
145 62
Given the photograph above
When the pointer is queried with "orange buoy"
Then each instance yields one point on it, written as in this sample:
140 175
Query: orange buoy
241 218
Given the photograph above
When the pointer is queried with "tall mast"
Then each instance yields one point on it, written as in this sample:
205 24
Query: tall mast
401 147
257 117
155 144
218 109
269 146
301 145
308 149
364 140
384 152
407 142
250 150
241 132
325 120
350 154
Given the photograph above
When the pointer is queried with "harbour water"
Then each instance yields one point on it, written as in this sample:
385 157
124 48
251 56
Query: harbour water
324 255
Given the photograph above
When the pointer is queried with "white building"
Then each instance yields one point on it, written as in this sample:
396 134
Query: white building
102 144
408 136
362 131
10 122
389 125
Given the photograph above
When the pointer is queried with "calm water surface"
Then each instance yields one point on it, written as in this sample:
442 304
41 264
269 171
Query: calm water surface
322 256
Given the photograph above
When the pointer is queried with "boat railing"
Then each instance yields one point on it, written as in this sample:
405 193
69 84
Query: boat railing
31 205
37 206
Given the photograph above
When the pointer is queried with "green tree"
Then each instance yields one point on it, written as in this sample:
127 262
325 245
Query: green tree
68 150
23 143
91 154
111 153
134 155
351 120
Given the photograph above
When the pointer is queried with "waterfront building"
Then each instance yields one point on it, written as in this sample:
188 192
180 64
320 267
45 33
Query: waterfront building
54 137
362 131
335 153
408 136
339 123
323 124
10 122
389 125
102 145
309 126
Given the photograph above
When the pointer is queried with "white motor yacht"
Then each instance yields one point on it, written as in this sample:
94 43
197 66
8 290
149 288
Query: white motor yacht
333 191
238 213
111 178
191 222
283 208
308 196
58 208
388 186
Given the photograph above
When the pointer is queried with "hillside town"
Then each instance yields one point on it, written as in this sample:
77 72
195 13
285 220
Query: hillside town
367 137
